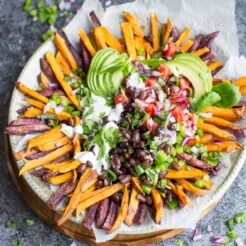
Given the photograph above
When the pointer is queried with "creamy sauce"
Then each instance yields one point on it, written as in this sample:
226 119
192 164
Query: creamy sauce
135 81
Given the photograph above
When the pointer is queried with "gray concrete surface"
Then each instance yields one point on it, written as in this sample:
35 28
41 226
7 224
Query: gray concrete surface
19 38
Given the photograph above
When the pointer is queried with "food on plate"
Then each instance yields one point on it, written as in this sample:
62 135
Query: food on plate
129 125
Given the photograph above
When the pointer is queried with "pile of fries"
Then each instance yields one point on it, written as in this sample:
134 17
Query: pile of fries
50 155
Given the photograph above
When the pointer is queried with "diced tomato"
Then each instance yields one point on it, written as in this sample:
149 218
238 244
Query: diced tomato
165 71
193 118
150 125
121 99
178 114
151 109
184 84
150 82
171 49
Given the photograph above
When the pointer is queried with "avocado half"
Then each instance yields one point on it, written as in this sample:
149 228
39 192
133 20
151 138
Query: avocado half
195 70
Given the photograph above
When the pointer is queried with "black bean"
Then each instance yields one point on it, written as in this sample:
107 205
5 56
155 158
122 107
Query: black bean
118 171
124 170
102 176
175 166
145 163
162 174
132 172
135 136
81 168
147 182
116 197
161 146
131 92
132 161
116 161
100 184
171 126
141 198
92 147
124 145
143 177
125 178
106 182
89 163
127 155
167 149
127 165
71 121
138 144
166 89
142 95
127 135
149 200
120 151
105 120
169 196
140 153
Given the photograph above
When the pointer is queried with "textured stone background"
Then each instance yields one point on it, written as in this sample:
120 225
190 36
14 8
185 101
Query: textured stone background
19 38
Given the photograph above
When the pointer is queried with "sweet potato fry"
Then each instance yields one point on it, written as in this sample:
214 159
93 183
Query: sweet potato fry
31 112
126 29
225 146
158 204
154 31
59 75
76 135
23 153
187 45
215 65
51 145
227 113
148 48
215 131
46 159
23 130
97 196
167 31
75 197
139 44
201 51
34 103
206 138
86 42
190 187
217 81
133 207
137 185
185 174
90 216
183 36
43 82
99 38
61 45
242 90
32 93
60 179
63 64
240 82
63 167
51 135
122 211
221 122
134 23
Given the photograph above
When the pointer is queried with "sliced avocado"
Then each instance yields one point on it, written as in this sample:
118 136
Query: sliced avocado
105 73
194 69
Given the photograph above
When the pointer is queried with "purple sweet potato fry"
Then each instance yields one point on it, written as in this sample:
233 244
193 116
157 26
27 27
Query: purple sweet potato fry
22 110
216 70
90 216
86 57
196 43
102 212
210 56
95 21
207 40
37 155
46 69
112 212
24 122
23 130
140 215
175 33
39 172
50 92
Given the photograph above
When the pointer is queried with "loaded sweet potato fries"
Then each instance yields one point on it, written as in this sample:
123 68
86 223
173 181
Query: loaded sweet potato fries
131 124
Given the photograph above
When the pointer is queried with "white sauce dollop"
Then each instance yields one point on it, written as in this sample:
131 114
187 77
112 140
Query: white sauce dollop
135 81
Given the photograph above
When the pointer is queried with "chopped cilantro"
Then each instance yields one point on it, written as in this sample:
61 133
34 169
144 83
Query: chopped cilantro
30 222
33 13
27 5
11 224
153 144
16 241
48 34
162 184
79 72
41 4
151 175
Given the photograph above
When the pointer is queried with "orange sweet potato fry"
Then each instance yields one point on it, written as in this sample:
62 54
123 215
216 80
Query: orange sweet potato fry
34 103
154 31
61 45
167 31
214 65
54 144
187 45
87 42
60 179
215 131
134 23
190 187
32 93
99 38
183 36
158 204
225 146
201 51
242 90
126 29
60 77
63 64
31 112
185 174
23 153
63 167
206 138
122 211
221 122
133 207
46 159
217 81
240 82
148 48
43 82
137 185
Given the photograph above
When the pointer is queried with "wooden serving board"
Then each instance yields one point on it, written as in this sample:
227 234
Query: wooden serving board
73 229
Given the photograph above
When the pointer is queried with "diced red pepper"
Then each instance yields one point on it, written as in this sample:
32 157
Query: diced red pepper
171 49
151 109
178 114
165 71
150 124
121 99
150 82
184 84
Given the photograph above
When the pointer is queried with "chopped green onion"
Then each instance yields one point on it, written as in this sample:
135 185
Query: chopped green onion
48 34
160 157
199 183
138 169
180 243
27 5
162 184
11 224
163 195
240 218
232 234
64 101
141 51
173 204
179 139
186 149
77 113
33 13
199 132
45 116
179 149
146 189
69 109
161 167
173 151
230 224
169 159
30 222
111 175
41 4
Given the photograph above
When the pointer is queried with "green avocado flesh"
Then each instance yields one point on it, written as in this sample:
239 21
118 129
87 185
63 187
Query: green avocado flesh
106 72
194 69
